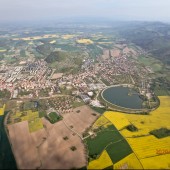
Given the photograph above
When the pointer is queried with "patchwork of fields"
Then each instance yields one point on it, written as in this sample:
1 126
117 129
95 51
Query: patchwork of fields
108 143
143 150
55 146
33 119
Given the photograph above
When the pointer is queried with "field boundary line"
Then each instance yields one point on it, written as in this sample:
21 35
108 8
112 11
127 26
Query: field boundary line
72 130
127 142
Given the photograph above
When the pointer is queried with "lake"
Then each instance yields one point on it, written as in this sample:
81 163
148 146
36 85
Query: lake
120 96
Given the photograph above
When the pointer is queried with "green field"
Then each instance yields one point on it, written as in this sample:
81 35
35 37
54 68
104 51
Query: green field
54 117
118 150
155 64
108 139
161 91
103 138
99 110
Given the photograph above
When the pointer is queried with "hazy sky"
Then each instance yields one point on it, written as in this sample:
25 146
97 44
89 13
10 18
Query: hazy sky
18 10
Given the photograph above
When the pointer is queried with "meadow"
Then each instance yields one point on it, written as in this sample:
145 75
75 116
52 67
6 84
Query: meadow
54 117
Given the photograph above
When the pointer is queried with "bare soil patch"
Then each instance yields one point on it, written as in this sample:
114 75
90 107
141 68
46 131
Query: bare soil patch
47 148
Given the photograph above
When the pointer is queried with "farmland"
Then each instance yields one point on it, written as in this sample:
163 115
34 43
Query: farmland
34 122
136 149
155 64
54 117
85 41
102 162
44 140
105 140
129 162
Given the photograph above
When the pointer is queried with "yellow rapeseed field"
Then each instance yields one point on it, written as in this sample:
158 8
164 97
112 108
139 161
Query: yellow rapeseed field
37 37
157 119
143 144
129 162
126 133
118 119
2 110
157 162
84 41
34 122
30 115
147 146
35 125
102 162
102 121
68 36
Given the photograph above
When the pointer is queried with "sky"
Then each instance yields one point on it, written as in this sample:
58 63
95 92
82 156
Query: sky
36 10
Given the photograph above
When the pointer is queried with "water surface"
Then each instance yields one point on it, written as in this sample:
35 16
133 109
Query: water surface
123 96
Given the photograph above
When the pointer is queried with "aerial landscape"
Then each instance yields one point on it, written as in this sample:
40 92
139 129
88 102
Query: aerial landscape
85 92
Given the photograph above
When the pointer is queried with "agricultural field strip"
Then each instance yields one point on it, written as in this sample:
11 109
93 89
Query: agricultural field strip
127 141
99 123
148 150
130 161
162 143
102 162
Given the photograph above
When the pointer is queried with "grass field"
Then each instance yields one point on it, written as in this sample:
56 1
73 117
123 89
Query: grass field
106 141
155 64
103 138
161 91
118 150
99 110
54 117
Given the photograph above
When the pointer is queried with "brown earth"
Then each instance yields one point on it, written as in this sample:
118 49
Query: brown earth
46 148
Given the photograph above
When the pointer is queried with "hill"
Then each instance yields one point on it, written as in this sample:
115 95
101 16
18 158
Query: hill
154 37
56 56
